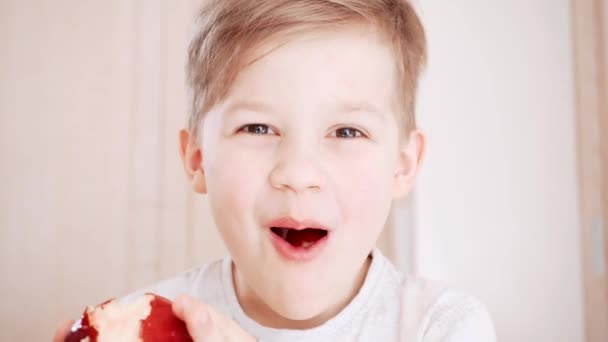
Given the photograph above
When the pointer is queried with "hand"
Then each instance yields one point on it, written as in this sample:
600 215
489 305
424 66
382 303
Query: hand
62 332
207 325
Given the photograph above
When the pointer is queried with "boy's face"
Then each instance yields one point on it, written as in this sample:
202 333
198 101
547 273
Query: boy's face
306 137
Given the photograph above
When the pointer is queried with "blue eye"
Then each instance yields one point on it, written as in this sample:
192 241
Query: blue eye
257 129
348 133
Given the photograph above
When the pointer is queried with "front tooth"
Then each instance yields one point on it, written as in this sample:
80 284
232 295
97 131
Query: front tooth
306 244
284 233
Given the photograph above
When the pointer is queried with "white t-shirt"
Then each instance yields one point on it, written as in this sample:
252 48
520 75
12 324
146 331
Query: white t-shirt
388 307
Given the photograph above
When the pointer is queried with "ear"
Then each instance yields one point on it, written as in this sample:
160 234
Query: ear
411 156
192 158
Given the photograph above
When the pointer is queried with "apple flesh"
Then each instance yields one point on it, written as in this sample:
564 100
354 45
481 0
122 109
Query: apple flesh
148 319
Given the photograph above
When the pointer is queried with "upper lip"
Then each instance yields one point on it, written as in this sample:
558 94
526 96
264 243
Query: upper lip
292 223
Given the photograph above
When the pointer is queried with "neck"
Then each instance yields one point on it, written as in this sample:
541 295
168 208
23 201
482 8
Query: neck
259 311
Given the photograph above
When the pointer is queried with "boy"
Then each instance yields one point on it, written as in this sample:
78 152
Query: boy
301 133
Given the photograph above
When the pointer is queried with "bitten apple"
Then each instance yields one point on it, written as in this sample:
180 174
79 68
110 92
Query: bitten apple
147 319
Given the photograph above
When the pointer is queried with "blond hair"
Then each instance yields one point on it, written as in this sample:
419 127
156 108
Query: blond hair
229 31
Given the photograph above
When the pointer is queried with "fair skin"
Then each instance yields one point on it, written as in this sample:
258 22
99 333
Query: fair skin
308 131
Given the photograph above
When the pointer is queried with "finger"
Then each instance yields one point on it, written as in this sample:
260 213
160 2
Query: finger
62 332
196 316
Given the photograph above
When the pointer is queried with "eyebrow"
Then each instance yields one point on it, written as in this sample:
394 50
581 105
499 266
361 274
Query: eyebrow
358 107
249 105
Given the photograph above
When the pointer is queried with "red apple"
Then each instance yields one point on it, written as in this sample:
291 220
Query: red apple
148 319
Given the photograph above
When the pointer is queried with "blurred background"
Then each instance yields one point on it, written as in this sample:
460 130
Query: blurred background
509 207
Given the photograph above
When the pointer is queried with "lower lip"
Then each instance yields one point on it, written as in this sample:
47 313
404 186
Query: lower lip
300 254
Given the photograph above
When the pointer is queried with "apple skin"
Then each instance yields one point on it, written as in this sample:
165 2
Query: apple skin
161 325
84 331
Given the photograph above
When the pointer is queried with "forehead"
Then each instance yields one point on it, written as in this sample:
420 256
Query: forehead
346 66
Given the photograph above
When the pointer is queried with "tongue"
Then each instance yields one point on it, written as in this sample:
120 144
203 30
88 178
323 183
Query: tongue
304 238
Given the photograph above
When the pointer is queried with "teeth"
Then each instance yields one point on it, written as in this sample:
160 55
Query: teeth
307 244
284 233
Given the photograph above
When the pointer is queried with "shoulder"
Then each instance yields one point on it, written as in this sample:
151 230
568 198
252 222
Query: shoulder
458 317
438 314
190 282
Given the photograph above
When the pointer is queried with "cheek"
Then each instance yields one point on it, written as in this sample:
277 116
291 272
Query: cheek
365 189
235 179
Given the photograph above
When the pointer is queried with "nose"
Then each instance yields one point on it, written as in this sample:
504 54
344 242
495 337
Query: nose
297 170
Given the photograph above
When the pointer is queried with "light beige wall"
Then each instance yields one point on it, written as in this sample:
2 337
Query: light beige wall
497 207
93 202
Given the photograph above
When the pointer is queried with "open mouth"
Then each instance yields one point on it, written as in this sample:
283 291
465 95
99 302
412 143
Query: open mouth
303 238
